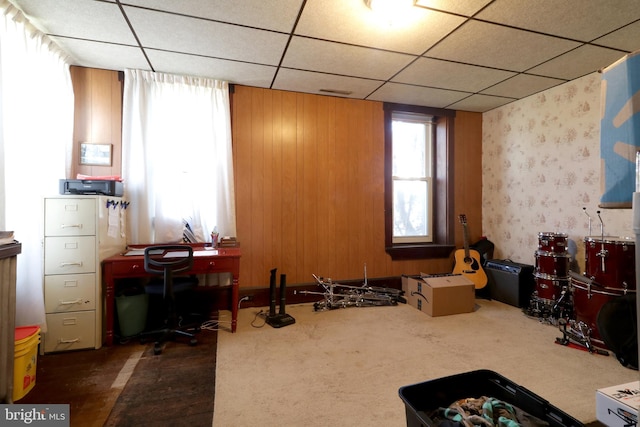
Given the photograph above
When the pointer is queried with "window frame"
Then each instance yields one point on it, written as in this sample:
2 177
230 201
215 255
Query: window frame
442 185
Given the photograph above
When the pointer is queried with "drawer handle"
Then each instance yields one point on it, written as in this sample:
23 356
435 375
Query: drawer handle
71 226
76 301
212 263
67 264
63 341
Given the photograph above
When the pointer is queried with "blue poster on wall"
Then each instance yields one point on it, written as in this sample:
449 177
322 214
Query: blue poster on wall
620 131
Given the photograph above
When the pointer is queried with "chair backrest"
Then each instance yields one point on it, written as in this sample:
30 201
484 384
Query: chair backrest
163 259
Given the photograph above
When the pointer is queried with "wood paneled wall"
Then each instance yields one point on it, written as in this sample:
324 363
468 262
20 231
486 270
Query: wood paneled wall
310 186
98 117
308 175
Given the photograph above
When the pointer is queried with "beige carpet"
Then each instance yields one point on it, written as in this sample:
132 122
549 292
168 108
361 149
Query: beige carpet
345 367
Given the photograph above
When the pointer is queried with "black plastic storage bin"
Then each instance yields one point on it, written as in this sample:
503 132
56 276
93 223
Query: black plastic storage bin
424 398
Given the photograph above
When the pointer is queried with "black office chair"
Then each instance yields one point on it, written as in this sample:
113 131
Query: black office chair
156 262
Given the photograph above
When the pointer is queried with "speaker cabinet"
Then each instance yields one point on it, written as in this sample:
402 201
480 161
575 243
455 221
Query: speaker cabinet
510 282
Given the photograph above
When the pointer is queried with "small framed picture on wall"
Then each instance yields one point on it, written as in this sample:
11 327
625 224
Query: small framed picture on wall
95 154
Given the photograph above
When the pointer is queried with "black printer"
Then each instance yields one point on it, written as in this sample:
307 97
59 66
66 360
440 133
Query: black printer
91 186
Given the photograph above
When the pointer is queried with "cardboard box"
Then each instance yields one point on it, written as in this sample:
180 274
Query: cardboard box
618 405
440 295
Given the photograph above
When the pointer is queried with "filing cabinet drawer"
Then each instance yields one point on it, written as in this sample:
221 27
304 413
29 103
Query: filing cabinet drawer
70 217
67 255
70 292
70 331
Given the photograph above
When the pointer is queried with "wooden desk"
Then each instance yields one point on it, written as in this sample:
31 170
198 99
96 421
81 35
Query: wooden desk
225 260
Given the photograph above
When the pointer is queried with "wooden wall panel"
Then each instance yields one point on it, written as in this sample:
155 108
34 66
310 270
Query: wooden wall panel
98 117
310 186
308 176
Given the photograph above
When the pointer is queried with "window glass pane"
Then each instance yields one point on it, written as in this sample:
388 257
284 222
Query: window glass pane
409 149
410 208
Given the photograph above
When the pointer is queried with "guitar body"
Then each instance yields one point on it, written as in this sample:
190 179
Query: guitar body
470 267
467 261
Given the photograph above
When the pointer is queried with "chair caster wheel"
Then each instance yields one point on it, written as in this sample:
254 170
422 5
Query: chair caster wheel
193 342
157 349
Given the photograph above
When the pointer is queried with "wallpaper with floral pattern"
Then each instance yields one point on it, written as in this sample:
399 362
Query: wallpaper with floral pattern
542 171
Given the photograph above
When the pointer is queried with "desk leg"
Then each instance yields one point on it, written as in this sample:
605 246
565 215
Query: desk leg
109 302
234 302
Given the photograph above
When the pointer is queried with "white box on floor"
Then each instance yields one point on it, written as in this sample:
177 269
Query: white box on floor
618 405
440 295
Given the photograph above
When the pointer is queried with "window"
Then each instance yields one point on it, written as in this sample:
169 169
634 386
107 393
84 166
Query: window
412 136
418 182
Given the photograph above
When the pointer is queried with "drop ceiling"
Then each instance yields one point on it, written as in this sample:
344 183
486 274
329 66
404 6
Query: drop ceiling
472 55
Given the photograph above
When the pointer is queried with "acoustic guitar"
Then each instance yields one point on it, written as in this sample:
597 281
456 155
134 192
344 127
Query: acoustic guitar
467 261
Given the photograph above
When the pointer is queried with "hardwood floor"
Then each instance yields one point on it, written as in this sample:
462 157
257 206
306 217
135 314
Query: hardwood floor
85 379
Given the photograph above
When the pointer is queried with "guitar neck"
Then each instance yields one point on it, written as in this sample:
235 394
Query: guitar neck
466 240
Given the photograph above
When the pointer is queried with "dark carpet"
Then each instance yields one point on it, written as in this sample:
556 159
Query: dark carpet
173 388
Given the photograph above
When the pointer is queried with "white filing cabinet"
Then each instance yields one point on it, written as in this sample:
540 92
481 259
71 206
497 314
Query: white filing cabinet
79 232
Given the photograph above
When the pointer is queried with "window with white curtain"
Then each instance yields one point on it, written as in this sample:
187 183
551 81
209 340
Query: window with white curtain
177 163
36 134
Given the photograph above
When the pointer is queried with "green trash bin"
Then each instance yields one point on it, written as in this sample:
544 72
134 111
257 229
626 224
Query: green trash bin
132 313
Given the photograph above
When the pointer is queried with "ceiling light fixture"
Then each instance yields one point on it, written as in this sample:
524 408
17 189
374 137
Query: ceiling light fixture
391 11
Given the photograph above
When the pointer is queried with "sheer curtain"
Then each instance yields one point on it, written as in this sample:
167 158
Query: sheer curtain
36 134
177 161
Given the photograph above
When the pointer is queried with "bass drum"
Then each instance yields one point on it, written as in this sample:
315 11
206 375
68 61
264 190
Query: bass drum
587 302
610 261
552 242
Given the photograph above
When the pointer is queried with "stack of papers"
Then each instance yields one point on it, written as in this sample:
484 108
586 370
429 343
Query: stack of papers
6 237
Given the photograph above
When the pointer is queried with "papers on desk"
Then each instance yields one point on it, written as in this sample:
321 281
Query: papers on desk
134 252
173 254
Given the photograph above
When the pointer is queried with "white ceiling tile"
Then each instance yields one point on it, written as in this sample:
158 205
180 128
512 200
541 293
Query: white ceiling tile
85 19
336 58
522 85
416 95
159 30
276 15
461 7
103 55
324 84
338 43
480 103
450 75
626 38
505 48
578 62
354 23
236 72
582 20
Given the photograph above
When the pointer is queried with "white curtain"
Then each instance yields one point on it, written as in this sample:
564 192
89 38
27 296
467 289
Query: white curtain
177 161
36 122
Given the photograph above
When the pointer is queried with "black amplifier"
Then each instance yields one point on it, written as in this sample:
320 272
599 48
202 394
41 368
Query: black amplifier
510 282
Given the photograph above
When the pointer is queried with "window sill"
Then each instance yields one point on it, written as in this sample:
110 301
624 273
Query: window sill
402 252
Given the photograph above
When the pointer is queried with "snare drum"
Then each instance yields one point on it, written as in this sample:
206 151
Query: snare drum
587 302
552 242
552 264
610 261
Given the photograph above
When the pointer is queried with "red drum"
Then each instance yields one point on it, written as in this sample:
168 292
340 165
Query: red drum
549 288
610 261
552 264
552 242
587 302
